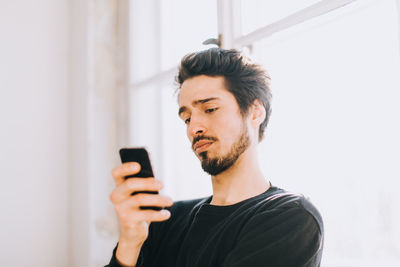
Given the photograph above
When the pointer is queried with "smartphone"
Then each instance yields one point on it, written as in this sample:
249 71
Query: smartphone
140 156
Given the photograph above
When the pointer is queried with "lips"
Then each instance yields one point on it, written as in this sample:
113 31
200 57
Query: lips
201 145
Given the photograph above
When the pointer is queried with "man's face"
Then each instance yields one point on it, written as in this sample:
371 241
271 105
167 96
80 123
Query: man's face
215 127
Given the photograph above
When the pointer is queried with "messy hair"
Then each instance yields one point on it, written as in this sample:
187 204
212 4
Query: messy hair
246 80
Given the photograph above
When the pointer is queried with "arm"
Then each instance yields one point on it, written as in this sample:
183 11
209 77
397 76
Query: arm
115 263
134 222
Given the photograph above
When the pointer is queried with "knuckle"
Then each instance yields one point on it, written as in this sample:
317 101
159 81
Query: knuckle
112 196
123 211
115 172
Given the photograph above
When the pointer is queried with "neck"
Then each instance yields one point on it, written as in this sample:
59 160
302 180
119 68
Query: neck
241 181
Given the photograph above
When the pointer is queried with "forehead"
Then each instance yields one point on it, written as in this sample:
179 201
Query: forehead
203 87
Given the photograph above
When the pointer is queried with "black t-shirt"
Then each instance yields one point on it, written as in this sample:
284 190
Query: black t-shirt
275 228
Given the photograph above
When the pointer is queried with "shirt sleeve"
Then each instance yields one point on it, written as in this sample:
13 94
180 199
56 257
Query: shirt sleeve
290 237
115 263
146 256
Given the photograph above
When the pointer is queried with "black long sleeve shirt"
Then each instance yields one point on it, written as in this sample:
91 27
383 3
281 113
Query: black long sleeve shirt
275 228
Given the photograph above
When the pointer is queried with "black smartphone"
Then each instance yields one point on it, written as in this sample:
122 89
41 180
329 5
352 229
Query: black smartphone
140 156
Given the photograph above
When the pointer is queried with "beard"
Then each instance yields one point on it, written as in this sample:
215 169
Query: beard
219 164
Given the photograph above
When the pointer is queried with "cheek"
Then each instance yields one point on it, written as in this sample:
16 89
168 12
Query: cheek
229 124
227 130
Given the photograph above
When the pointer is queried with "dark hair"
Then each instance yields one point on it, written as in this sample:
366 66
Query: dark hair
247 81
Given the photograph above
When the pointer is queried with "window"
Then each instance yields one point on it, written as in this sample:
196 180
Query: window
334 128
256 14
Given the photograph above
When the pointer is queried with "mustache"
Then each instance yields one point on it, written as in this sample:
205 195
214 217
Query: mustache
202 137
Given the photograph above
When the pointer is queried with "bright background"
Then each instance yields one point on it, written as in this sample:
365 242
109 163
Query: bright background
80 79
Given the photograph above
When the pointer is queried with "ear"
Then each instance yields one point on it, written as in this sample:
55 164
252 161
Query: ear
257 114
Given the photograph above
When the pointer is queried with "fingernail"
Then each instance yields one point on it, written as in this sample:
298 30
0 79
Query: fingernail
165 212
134 166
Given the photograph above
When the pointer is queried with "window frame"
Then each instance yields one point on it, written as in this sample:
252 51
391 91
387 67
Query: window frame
229 27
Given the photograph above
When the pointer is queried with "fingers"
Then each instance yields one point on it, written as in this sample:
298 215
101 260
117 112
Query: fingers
125 169
155 216
124 190
129 210
128 206
149 200
145 215
143 200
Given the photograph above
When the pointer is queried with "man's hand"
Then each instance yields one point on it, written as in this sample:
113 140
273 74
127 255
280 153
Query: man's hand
133 221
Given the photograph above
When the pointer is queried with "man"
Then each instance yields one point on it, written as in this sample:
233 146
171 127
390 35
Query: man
224 100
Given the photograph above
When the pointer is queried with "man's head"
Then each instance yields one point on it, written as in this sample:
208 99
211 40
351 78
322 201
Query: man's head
247 81
225 103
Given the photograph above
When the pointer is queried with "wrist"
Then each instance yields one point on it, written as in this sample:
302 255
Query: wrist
129 243
127 252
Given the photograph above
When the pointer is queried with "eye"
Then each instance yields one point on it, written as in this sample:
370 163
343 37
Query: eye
187 120
211 110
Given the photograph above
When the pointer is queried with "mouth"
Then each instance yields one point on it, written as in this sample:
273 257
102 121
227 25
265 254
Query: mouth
202 146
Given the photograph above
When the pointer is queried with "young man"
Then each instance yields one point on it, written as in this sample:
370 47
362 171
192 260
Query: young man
224 100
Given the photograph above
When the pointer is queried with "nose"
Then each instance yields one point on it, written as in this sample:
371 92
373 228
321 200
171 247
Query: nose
196 127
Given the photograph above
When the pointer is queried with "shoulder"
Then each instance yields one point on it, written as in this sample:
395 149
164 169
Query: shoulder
282 228
281 205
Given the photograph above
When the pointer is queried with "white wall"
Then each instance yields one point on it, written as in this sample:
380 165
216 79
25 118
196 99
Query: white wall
35 132
79 200
62 101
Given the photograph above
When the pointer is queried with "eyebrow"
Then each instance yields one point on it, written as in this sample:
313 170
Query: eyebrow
195 103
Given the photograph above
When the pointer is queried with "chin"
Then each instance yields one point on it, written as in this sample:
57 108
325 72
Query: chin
202 155
206 154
